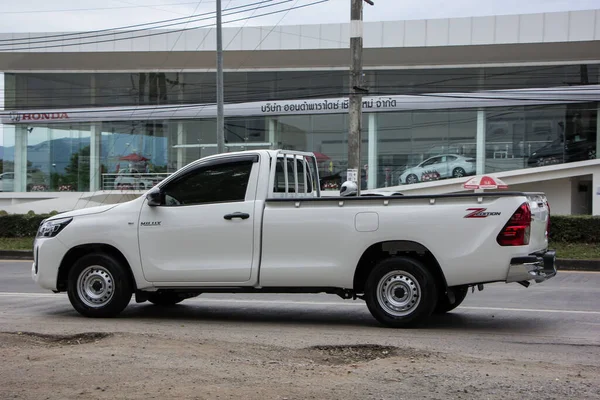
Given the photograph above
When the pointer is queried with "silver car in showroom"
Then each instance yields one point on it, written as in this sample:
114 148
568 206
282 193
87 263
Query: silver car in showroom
439 167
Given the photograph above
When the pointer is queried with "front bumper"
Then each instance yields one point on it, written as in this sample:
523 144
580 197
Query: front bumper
47 256
539 266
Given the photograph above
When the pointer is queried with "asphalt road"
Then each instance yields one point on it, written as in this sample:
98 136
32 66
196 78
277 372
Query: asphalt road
557 321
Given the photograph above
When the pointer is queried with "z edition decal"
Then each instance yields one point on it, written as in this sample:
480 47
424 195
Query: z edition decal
480 213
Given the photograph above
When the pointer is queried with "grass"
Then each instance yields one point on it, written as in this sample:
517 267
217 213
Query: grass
578 251
16 243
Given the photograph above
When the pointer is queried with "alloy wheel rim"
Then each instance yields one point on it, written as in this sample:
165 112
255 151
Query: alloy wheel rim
95 286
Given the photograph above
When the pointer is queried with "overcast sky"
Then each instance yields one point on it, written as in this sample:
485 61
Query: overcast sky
61 15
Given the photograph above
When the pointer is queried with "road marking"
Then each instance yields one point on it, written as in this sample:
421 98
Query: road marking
10 294
529 310
316 303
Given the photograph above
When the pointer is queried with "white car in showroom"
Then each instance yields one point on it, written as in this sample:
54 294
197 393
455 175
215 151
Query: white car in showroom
7 182
439 167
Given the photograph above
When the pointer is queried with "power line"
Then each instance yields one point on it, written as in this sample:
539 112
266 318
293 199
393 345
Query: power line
101 8
149 25
128 32
150 7
438 97
252 88
164 33
286 13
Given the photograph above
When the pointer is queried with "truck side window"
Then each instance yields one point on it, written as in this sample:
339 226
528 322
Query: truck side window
212 184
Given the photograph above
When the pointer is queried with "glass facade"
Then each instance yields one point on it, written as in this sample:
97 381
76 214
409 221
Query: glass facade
409 142
398 147
61 90
537 136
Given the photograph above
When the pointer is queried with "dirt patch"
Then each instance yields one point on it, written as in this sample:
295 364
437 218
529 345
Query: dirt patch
146 366
349 354
44 339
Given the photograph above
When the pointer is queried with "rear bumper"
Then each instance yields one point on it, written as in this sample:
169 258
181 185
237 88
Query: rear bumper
539 266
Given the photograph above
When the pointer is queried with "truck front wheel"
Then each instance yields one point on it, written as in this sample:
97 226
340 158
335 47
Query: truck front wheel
400 292
99 286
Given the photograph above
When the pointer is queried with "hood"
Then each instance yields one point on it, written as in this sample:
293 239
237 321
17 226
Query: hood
84 211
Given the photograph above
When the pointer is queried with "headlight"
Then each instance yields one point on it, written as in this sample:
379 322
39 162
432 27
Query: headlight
52 228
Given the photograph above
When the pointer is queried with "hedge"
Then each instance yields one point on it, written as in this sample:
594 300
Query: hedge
563 228
21 225
575 229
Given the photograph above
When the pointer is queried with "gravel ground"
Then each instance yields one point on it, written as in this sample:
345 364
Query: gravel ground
152 366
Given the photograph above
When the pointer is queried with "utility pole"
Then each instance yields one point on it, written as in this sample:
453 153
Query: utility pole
356 90
220 116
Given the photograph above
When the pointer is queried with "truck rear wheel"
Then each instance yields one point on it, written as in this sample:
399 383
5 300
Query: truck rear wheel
444 305
99 286
400 292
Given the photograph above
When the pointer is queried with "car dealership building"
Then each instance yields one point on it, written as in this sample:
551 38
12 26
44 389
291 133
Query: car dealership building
88 120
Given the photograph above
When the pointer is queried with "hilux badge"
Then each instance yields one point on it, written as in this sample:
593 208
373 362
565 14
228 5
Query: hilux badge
151 223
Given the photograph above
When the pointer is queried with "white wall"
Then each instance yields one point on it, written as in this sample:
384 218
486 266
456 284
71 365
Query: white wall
554 27
581 195
558 192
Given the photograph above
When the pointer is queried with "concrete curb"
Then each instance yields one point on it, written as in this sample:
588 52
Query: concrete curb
564 264
16 255
567 264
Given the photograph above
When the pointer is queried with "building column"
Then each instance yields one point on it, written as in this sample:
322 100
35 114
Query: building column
181 132
598 132
181 140
373 151
20 182
272 132
95 165
481 127
596 193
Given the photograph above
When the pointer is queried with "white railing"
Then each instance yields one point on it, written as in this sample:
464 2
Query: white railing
132 181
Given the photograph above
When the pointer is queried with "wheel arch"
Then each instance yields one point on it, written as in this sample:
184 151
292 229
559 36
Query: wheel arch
79 251
387 249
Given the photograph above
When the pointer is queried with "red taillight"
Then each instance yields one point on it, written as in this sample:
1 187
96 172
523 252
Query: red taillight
517 229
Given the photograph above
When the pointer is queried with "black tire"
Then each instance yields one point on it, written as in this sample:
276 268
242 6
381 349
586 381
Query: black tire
412 284
443 305
412 178
166 298
458 172
109 287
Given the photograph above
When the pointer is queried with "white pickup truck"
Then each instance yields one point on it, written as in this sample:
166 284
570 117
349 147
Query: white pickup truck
250 222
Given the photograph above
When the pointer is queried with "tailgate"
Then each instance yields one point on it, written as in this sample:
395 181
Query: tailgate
540 219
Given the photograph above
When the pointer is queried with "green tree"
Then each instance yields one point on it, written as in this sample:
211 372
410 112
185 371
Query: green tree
77 173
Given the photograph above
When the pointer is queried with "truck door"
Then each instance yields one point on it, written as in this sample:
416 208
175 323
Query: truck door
203 229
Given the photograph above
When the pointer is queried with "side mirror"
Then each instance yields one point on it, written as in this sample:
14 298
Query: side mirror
155 198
